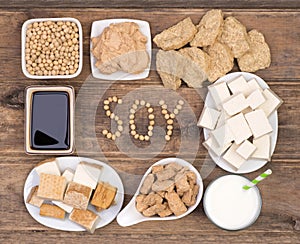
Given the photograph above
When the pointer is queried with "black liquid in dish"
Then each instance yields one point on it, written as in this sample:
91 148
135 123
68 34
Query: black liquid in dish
50 120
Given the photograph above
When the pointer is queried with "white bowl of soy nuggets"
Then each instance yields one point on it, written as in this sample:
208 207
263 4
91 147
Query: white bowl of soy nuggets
170 189
52 48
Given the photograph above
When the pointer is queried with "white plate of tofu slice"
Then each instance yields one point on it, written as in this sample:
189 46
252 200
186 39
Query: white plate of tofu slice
240 122
65 166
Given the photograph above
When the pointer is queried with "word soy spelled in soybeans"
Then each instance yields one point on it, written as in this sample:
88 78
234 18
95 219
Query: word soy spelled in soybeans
169 116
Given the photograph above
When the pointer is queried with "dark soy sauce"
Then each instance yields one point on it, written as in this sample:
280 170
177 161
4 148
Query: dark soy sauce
50 120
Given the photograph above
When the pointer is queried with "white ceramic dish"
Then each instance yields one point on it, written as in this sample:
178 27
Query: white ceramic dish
24 28
97 29
250 165
106 216
130 216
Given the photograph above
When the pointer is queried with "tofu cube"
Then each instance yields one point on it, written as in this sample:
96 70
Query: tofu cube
263 147
246 149
68 174
222 135
235 104
258 123
238 85
233 158
211 145
255 99
272 102
239 128
222 118
219 93
252 86
48 166
87 174
208 118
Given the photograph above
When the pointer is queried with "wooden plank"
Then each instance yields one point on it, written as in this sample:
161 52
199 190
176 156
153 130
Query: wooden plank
280 29
151 4
276 218
12 131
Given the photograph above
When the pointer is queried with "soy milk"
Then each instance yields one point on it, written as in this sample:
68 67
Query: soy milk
229 206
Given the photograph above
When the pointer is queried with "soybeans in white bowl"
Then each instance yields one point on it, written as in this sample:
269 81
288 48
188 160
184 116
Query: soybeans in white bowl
51 48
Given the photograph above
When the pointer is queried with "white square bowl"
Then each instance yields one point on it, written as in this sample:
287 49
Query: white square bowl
97 29
23 41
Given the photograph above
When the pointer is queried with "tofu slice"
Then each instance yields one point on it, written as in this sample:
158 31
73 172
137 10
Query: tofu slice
258 123
48 166
255 99
239 128
233 158
87 174
33 199
48 210
52 187
68 174
263 147
222 135
238 85
235 104
246 149
272 102
208 118
85 218
211 145
252 86
219 93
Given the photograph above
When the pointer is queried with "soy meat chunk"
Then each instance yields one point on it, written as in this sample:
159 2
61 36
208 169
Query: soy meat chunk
192 178
234 35
174 166
157 168
162 193
187 197
165 174
147 184
258 56
194 197
166 212
162 185
140 205
151 211
175 203
182 184
176 36
152 199
209 28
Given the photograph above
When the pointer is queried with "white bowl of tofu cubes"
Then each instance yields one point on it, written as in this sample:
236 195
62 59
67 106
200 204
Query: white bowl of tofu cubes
240 122
170 189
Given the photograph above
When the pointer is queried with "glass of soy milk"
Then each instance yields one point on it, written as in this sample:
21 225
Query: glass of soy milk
229 206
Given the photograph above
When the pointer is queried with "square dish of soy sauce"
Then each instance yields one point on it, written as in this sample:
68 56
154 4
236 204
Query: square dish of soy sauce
49 120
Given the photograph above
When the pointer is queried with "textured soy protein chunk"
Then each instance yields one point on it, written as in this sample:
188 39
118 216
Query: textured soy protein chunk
176 36
234 35
208 29
259 55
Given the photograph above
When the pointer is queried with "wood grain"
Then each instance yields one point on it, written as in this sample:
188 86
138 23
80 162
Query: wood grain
280 218
146 4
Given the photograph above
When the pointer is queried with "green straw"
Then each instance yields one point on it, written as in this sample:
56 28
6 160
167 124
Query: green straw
257 179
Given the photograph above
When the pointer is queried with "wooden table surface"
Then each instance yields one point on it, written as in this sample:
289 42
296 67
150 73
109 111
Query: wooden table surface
279 221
